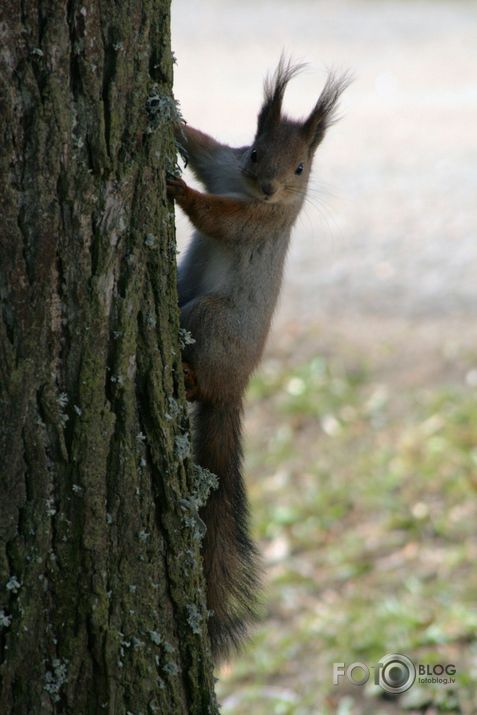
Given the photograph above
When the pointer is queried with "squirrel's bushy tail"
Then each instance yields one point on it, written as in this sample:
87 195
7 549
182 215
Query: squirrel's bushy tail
230 557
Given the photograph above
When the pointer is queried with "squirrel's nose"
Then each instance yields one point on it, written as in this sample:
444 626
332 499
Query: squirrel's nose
268 188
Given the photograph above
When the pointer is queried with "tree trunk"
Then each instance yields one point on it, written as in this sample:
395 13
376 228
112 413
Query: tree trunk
101 595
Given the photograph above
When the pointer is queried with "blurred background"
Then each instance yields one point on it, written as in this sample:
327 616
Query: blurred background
361 427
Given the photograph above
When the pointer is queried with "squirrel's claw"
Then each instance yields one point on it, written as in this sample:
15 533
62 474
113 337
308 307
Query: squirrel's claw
175 186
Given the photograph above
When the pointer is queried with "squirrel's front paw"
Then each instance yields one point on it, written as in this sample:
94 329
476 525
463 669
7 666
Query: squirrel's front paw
176 188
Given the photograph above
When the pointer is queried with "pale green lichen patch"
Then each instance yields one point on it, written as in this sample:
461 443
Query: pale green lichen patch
56 678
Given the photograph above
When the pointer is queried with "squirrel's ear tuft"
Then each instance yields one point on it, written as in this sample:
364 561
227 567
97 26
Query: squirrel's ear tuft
274 89
323 113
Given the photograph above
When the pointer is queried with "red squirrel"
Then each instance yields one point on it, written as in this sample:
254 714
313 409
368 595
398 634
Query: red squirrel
228 284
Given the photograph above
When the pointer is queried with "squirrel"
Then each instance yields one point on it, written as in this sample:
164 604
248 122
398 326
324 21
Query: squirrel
228 285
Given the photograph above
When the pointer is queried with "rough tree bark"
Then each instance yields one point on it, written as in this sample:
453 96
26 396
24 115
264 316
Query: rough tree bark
101 595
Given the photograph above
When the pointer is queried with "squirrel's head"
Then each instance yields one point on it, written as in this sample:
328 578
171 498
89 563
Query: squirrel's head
277 165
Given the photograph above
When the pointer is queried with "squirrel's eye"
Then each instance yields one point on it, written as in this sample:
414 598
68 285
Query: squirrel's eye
299 169
253 155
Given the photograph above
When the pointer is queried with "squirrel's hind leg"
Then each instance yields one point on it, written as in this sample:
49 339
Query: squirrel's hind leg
216 375
190 381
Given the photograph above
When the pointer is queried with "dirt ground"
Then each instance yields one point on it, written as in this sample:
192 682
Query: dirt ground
384 256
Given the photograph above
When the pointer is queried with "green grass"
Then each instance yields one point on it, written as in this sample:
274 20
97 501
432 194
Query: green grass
364 503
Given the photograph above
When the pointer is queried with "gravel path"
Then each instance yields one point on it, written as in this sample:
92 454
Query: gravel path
387 247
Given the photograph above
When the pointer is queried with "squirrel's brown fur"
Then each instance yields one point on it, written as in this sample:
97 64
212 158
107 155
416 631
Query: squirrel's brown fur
228 283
